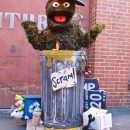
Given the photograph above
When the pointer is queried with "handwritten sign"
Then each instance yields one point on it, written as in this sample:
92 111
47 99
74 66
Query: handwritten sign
64 78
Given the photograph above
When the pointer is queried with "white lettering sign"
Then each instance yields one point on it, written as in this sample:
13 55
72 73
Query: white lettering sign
1 16
89 86
12 17
64 78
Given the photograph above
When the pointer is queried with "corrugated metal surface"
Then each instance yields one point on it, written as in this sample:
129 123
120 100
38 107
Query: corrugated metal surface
62 108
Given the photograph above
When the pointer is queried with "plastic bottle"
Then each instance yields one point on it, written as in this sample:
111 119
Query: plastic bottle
36 116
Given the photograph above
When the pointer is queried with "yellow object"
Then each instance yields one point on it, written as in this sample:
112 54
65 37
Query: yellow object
19 97
59 55
76 128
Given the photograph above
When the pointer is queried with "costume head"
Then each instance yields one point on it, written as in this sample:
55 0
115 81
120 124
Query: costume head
60 12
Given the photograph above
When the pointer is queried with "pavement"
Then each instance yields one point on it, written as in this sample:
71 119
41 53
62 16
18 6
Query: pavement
120 120
8 123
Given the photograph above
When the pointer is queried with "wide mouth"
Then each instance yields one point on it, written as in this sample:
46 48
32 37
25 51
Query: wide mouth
60 16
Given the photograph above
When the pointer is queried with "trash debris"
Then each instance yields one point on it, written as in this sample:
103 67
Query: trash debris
103 120
19 107
36 116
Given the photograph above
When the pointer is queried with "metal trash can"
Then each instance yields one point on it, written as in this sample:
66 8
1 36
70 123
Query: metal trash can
61 108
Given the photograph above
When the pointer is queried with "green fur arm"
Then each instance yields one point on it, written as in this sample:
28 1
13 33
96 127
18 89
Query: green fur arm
90 37
35 38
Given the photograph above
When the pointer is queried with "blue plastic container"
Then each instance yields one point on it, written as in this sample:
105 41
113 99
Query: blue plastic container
30 103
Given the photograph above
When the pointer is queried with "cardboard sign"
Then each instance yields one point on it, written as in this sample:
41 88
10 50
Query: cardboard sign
64 78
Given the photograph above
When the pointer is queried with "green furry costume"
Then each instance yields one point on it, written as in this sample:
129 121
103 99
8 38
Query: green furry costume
60 28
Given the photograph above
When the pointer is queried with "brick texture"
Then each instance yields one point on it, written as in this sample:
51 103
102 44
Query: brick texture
110 55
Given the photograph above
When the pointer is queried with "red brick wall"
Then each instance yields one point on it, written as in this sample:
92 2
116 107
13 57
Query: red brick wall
19 67
110 55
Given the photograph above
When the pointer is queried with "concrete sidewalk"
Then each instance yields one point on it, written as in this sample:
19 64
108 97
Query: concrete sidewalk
120 117
8 123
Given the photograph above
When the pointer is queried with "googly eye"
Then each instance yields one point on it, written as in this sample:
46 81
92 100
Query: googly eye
66 4
55 4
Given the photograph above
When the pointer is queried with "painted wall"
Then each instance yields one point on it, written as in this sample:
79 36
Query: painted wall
19 62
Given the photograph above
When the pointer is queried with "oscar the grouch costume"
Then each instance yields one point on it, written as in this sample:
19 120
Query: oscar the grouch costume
61 33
